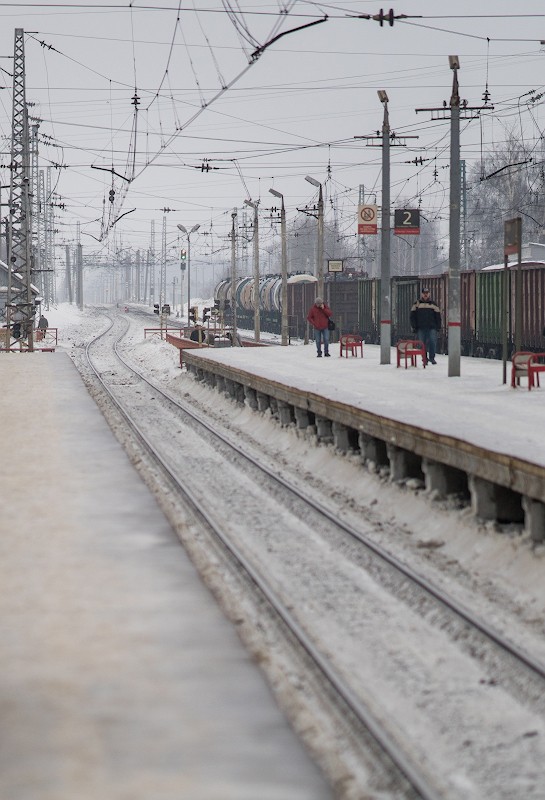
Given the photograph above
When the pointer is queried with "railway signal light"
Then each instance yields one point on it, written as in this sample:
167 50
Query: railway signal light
193 313
205 314
112 195
183 256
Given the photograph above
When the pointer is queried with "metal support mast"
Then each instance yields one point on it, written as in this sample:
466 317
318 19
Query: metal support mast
152 264
40 259
49 230
454 320
455 110
256 300
387 140
35 205
20 227
234 275
79 269
163 278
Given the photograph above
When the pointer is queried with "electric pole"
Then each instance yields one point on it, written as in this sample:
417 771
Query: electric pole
152 264
284 328
234 276
387 139
457 111
257 330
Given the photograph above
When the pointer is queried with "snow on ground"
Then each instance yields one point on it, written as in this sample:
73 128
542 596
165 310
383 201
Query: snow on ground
476 407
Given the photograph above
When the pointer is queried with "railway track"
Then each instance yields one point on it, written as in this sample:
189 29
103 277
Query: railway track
396 656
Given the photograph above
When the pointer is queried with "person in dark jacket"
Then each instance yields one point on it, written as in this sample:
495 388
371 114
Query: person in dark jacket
198 334
425 322
318 316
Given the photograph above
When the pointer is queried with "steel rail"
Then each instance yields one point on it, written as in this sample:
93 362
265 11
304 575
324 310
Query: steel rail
394 753
411 772
445 599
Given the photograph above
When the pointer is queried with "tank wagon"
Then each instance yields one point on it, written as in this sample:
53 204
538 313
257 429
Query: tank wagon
340 293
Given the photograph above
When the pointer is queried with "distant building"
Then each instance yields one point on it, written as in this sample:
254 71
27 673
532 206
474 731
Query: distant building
533 251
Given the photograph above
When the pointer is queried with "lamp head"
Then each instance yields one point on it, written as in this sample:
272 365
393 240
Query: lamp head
252 205
276 194
382 96
181 227
454 62
194 228
313 181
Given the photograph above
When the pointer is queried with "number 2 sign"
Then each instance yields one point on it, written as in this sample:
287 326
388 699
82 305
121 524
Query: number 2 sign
407 220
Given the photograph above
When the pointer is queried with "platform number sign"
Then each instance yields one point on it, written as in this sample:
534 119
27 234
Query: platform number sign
334 266
407 220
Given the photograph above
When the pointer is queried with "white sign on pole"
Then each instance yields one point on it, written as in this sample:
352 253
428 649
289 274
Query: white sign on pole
367 219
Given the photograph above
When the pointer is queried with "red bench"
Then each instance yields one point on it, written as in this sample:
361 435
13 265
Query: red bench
527 365
411 349
351 342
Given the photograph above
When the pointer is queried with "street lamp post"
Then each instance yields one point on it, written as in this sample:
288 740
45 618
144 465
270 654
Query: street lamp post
320 256
284 293
188 234
255 207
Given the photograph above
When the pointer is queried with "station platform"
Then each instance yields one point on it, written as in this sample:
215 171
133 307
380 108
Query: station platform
475 406
119 676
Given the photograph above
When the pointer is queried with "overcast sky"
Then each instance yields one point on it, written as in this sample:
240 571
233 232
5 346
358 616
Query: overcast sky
294 111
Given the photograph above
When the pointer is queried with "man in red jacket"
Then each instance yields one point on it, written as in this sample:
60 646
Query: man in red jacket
318 316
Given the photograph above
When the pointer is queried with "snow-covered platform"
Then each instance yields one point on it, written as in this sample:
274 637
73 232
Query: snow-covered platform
119 676
471 434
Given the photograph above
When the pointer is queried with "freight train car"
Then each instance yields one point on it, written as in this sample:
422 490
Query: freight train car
481 308
301 289
355 303
340 293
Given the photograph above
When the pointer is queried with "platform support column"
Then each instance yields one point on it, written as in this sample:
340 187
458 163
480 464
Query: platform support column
443 479
403 463
493 502
534 518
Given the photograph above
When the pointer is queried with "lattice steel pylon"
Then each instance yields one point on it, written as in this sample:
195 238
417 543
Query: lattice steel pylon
21 307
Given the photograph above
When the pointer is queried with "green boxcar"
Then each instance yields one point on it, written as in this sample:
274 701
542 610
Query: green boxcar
403 294
488 313
369 309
